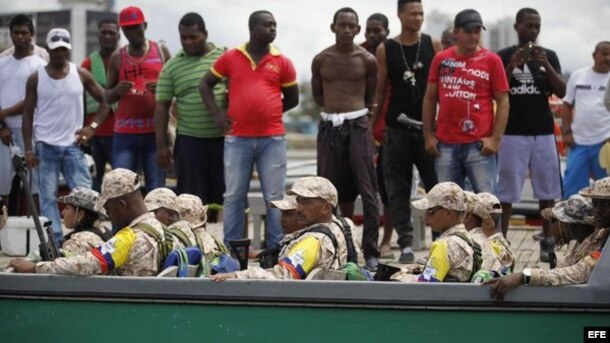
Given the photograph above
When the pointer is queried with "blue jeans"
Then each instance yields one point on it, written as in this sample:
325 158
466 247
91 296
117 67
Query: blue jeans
70 162
240 155
582 163
129 149
101 148
460 161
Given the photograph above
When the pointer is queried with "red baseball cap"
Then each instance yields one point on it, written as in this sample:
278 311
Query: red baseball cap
131 15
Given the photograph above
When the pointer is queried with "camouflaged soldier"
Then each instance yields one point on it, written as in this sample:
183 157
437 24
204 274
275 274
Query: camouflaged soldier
133 251
289 217
324 242
477 219
452 255
193 212
578 273
500 245
573 220
163 202
79 214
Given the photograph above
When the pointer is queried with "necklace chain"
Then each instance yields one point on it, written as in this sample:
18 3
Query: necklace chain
409 74
137 60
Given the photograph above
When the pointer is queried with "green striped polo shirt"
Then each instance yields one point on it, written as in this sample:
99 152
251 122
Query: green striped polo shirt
180 78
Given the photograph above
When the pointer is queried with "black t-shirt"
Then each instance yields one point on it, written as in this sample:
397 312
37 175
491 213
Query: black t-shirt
530 89
406 98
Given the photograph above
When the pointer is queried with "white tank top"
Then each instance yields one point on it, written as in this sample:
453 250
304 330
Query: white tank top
60 111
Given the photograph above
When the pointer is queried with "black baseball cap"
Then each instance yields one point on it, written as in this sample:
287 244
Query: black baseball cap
468 19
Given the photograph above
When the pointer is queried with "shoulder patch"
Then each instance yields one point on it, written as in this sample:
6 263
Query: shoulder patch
438 265
302 257
113 254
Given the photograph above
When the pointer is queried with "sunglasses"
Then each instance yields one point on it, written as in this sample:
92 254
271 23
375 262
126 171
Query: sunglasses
60 38
433 210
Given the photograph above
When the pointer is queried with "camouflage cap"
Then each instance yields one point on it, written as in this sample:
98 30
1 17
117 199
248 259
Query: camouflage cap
477 207
491 202
445 194
315 187
288 203
599 190
574 210
192 209
547 213
161 198
117 182
81 197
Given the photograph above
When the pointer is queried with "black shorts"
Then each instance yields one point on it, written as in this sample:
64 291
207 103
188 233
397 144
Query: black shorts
199 167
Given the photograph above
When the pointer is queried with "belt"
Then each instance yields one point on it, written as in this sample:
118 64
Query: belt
407 127
338 118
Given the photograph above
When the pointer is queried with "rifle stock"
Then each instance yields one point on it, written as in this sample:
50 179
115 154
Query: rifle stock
48 248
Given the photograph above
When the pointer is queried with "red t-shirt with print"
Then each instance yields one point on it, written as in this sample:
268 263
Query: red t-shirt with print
466 86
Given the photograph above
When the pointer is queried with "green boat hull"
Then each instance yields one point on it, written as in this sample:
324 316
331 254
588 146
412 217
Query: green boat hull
35 320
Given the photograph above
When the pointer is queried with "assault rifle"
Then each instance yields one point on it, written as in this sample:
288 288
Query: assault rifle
48 248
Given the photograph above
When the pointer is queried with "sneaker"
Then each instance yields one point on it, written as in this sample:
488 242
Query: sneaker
371 263
406 256
547 248
538 237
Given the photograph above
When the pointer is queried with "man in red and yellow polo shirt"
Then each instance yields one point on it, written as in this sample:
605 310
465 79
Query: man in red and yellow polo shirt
254 132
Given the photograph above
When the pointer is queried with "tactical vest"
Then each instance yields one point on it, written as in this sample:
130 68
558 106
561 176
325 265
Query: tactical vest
477 257
269 257
165 244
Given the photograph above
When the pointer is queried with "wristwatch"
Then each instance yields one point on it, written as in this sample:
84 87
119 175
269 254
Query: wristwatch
94 125
527 276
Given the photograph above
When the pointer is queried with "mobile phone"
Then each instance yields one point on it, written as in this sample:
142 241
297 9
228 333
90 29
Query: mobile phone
528 51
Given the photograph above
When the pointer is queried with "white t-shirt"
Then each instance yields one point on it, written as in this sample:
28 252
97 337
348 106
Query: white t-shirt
60 108
38 51
14 75
591 120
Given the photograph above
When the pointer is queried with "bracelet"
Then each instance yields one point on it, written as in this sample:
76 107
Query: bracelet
29 152
567 132
374 105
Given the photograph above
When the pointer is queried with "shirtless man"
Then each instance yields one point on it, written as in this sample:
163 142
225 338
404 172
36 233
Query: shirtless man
343 83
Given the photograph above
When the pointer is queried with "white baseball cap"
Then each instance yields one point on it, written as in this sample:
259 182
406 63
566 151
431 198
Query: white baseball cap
59 38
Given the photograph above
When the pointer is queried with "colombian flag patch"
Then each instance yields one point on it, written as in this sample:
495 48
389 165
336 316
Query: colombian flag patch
113 254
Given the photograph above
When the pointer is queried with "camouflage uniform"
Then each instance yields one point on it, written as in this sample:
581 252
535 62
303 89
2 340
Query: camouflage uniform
500 246
162 198
502 250
450 260
450 257
580 272
576 274
185 228
131 252
81 197
289 203
490 259
576 210
80 243
303 250
136 254
194 212
478 208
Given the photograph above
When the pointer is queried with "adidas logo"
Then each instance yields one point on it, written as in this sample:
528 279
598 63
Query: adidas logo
525 89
